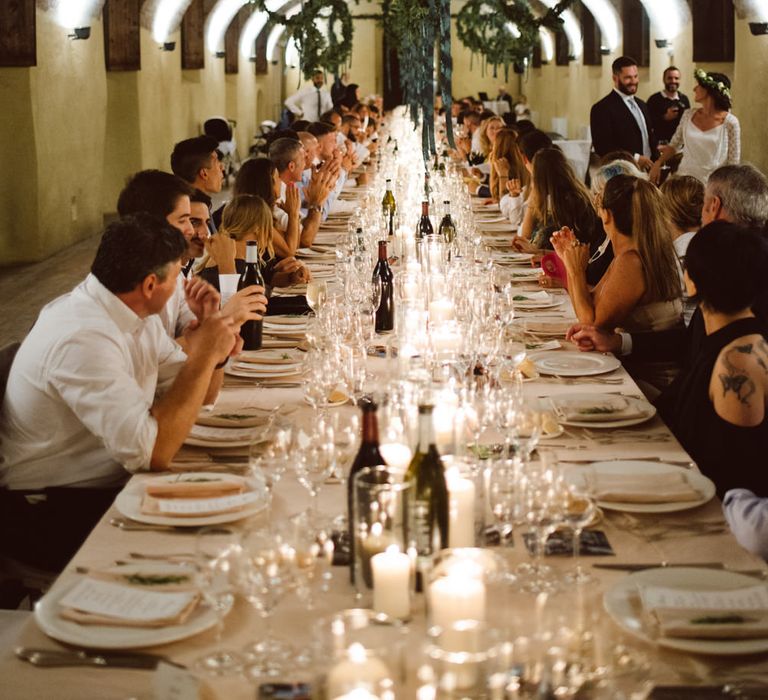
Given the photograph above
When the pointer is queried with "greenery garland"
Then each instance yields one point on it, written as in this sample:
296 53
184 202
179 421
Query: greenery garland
315 50
483 27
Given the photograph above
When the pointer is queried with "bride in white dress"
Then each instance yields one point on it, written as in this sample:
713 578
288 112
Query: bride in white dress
709 136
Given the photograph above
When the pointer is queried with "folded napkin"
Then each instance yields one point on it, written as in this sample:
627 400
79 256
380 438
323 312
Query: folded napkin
268 357
225 434
541 296
597 409
194 487
235 418
639 487
541 327
286 321
98 602
740 613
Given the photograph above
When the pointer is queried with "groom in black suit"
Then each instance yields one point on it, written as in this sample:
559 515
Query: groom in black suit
620 121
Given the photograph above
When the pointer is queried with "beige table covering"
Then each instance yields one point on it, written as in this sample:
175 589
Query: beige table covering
635 538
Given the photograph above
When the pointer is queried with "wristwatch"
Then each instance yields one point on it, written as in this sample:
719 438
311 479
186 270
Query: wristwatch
314 207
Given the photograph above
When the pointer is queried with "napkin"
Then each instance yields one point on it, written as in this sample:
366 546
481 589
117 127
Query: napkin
645 487
234 418
268 357
532 296
740 613
598 409
557 328
227 434
286 321
194 487
97 602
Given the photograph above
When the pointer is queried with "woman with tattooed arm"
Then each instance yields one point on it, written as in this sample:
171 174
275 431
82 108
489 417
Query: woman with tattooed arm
717 406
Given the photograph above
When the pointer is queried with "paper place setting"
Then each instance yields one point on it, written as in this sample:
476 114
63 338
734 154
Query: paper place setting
197 494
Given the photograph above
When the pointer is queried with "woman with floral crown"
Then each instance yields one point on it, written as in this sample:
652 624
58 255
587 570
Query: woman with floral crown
709 136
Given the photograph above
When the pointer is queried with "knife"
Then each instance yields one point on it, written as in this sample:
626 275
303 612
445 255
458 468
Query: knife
52 658
659 565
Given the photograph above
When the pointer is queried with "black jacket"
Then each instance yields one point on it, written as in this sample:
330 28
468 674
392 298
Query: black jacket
615 129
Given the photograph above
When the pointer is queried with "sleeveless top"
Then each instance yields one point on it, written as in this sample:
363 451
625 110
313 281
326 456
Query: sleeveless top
732 456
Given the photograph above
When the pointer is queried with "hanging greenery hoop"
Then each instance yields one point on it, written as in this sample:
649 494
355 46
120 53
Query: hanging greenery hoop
504 33
317 51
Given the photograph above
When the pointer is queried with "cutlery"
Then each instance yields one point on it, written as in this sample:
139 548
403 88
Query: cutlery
658 565
134 526
52 658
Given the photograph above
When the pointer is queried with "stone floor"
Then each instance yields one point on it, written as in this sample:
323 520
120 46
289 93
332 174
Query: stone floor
25 289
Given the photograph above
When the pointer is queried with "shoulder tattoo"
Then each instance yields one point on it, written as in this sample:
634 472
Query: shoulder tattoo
734 378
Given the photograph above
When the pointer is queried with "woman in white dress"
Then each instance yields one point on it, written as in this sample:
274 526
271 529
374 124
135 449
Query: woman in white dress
709 136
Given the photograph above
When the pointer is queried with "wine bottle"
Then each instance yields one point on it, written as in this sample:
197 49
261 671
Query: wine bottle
385 314
250 331
425 225
367 456
389 208
429 518
447 227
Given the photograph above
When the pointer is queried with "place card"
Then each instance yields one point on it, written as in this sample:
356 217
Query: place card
593 543
204 506
124 602
751 598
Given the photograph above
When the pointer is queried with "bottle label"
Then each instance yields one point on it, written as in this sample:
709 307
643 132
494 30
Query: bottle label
423 527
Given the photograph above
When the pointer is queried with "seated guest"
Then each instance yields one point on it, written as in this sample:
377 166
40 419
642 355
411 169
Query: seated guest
736 193
248 218
199 219
514 201
557 198
486 137
98 391
196 161
336 163
506 164
717 407
747 516
640 290
683 197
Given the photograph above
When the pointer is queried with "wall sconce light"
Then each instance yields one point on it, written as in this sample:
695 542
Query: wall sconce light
605 51
274 63
253 59
80 33
220 54
661 43
758 28
168 46
544 62
571 57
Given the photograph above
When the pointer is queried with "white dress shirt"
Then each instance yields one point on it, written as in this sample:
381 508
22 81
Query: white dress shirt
747 516
304 103
637 113
77 408
176 314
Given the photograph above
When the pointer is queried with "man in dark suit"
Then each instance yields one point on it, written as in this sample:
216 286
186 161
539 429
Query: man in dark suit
620 121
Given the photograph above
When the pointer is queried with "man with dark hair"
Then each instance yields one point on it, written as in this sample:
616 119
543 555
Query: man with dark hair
620 121
311 101
98 391
331 117
197 162
666 107
200 219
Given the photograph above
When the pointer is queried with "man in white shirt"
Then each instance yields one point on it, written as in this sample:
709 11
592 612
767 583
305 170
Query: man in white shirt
98 390
311 101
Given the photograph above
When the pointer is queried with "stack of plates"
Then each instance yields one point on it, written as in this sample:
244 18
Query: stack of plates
567 363
510 257
601 410
286 326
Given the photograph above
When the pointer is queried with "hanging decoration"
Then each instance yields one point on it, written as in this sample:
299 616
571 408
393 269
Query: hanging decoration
413 27
505 32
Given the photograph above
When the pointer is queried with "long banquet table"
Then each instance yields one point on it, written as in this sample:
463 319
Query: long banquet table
628 534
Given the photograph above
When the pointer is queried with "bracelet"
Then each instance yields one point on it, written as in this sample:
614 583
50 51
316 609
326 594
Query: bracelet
222 364
314 207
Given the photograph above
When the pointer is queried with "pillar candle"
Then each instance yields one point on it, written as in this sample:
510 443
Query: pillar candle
391 583
396 454
456 597
357 671
441 310
461 511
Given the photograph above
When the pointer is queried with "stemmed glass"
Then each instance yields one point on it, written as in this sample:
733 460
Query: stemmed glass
580 509
317 292
504 497
268 456
314 453
528 426
266 578
217 558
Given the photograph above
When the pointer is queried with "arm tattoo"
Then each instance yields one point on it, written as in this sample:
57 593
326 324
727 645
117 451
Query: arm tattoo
761 353
735 379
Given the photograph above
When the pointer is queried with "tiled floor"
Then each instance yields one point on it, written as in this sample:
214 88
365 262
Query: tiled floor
25 289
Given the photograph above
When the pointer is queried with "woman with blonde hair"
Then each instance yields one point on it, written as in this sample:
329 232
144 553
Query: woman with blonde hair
506 163
246 218
640 290
486 137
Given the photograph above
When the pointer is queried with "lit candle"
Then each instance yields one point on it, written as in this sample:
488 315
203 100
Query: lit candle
396 455
461 510
377 540
446 341
391 583
358 671
442 420
441 310
456 597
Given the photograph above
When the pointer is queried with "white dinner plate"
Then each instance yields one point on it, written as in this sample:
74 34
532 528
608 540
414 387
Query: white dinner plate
647 411
236 372
568 363
622 603
128 502
531 275
697 480
512 257
106 637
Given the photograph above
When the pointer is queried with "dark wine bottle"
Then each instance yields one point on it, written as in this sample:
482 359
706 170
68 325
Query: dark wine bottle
447 227
385 314
367 456
389 208
425 225
429 518
250 331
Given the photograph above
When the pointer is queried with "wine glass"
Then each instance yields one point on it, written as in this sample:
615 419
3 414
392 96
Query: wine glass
580 509
317 292
528 427
265 579
503 496
314 459
217 558
268 456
